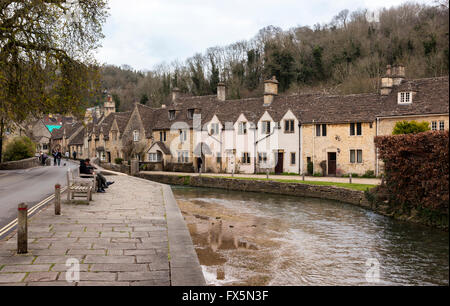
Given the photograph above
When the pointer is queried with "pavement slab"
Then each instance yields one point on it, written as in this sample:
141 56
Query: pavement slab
122 238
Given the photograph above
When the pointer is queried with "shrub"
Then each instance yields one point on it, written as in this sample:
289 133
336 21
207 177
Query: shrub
19 148
318 174
369 174
410 127
323 166
417 169
118 161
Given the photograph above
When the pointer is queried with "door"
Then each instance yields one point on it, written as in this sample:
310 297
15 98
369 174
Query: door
279 166
331 163
109 156
230 167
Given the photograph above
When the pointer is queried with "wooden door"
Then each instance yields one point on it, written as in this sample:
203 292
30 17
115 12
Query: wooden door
279 166
332 163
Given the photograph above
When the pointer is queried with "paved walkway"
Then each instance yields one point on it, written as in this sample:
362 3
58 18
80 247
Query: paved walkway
370 181
122 238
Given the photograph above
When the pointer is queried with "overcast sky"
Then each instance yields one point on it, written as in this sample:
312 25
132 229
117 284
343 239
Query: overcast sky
144 33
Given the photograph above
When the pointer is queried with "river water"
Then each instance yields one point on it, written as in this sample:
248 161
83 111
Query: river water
260 239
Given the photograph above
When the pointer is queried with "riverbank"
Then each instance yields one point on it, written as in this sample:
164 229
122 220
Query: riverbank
293 188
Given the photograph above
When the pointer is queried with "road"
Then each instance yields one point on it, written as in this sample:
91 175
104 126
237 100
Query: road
28 186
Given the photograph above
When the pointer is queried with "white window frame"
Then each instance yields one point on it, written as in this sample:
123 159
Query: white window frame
404 97
441 125
153 157
246 159
183 136
265 127
214 129
262 157
135 135
242 128
434 125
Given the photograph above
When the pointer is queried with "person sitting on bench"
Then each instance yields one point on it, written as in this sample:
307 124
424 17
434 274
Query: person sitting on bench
86 168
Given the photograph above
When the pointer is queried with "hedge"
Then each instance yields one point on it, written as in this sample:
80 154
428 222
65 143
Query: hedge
417 169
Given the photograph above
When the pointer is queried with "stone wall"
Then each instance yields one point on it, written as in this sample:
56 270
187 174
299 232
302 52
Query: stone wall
294 189
117 168
20 164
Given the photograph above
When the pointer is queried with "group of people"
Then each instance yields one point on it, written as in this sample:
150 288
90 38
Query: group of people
87 168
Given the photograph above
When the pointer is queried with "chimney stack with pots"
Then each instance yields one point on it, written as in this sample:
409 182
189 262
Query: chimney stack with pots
221 91
394 77
270 90
175 94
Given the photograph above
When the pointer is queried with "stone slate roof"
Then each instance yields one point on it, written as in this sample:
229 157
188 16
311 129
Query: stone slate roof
162 146
78 139
431 97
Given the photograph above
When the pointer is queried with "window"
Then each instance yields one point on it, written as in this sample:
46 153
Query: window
219 158
190 113
171 114
289 126
183 156
441 125
266 127
114 135
404 97
246 158
434 125
214 129
293 159
136 135
154 157
356 156
162 136
262 157
355 129
321 130
183 136
242 128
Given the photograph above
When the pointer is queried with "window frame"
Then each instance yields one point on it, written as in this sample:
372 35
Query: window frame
136 136
404 97
242 128
162 136
245 159
183 136
215 129
262 157
441 125
190 113
266 127
434 125
293 158
172 115
289 126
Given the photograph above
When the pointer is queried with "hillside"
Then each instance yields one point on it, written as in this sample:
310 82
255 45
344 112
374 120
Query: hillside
347 55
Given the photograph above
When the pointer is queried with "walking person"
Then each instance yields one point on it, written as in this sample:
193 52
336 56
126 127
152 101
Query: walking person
74 154
67 155
58 157
54 153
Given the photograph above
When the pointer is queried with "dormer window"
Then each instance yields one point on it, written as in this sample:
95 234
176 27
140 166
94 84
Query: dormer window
190 113
171 115
405 97
214 129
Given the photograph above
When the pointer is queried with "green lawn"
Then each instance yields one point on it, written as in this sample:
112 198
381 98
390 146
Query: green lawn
360 187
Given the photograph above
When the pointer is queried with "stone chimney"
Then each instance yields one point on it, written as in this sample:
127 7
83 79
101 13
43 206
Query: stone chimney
175 94
394 77
221 91
270 90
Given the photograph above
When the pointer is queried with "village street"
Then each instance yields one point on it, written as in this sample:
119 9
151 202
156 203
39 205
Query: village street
29 186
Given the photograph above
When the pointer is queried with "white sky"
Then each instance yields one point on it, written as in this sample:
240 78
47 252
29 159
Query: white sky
144 33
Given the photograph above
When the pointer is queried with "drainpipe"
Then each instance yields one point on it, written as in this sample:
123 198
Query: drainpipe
254 148
377 171
313 144
300 149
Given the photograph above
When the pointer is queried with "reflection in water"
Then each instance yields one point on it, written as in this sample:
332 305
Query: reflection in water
260 239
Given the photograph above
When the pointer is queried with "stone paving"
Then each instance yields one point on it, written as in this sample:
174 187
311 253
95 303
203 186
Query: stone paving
122 238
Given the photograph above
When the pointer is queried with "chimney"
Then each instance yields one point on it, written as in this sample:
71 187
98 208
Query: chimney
221 91
270 90
398 74
394 77
175 94
386 82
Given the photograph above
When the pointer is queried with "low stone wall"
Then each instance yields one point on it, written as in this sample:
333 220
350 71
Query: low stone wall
179 167
20 164
354 197
117 168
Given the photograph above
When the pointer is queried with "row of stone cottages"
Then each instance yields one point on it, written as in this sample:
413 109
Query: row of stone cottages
279 133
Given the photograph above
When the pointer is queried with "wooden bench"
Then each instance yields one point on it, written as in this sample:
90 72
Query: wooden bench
79 187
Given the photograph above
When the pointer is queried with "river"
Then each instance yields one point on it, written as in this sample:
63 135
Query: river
245 238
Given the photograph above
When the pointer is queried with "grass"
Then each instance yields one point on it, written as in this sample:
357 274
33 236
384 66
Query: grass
359 187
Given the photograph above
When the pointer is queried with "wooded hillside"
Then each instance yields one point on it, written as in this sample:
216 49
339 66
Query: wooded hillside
347 55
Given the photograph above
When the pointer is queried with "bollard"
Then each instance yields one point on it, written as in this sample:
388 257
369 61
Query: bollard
350 178
303 177
382 179
232 173
22 229
267 174
57 199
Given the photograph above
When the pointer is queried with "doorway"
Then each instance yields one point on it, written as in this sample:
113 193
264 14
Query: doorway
332 163
279 166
